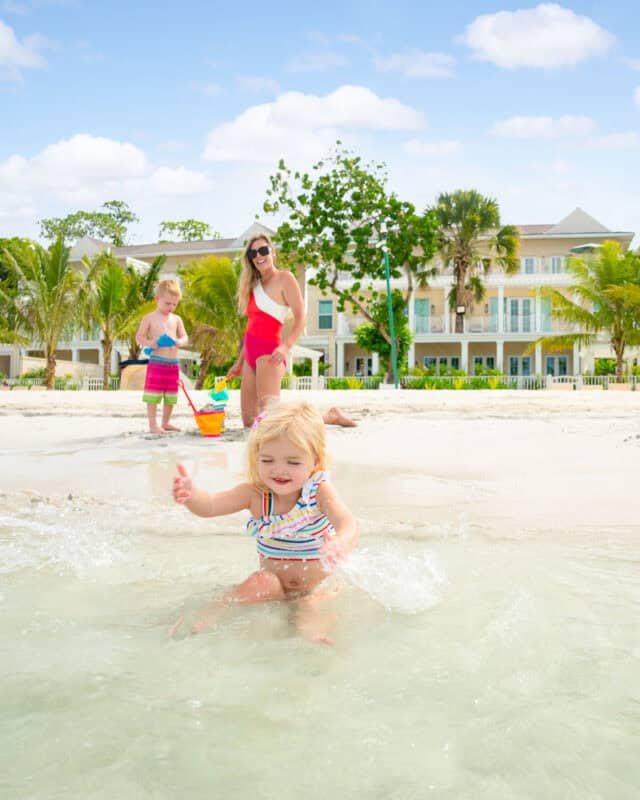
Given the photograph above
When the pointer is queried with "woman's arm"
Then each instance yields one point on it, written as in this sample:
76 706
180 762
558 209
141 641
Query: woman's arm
342 520
236 368
293 298
209 504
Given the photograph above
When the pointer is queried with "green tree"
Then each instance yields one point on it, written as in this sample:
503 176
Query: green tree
19 249
187 230
334 227
603 300
141 293
369 338
113 304
210 313
471 240
49 298
111 224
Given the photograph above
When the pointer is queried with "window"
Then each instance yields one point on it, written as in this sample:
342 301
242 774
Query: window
364 366
484 361
441 363
422 307
325 315
557 264
556 365
528 265
519 365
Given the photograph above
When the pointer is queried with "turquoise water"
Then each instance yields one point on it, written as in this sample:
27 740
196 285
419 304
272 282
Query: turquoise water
473 659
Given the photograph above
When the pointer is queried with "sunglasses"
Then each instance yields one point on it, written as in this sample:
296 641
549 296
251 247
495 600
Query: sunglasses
262 251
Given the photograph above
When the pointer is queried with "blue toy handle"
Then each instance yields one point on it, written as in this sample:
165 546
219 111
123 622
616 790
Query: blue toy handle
166 341
147 351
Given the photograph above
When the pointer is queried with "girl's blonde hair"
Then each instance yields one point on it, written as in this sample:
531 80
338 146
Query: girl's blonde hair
301 423
249 275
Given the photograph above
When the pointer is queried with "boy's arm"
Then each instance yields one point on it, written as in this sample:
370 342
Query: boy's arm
342 520
219 504
182 334
142 337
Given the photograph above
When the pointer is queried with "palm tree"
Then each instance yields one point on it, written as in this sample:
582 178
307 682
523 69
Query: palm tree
471 240
49 297
115 304
606 288
210 312
141 292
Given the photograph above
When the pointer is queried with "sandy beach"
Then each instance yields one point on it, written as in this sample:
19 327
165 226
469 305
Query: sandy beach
486 639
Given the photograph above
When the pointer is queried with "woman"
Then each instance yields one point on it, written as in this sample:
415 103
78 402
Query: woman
266 295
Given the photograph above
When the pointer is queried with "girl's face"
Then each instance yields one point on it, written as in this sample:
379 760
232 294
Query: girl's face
263 263
283 467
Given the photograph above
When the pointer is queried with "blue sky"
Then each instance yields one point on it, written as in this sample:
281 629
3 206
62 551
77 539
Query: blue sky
183 110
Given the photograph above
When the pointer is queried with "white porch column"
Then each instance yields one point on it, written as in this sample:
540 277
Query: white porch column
375 363
464 355
339 359
412 312
341 323
75 354
500 355
447 313
538 360
576 359
114 361
411 356
538 327
501 309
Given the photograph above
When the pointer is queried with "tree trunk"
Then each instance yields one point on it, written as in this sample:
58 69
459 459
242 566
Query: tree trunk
106 367
460 300
205 360
50 372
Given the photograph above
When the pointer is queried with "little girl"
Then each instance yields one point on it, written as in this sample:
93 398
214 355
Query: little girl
300 524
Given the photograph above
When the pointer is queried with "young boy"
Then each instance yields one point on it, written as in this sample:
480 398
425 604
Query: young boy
163 331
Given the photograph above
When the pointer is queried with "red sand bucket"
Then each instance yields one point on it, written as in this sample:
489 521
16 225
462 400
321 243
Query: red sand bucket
210 423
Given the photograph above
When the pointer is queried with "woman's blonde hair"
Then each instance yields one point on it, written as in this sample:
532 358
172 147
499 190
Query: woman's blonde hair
301 423
249 275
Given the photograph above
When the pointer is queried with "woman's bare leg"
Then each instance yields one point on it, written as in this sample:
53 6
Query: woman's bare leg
268 380
261 586
248 396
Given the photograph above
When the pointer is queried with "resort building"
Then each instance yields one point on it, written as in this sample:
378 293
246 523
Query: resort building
499 333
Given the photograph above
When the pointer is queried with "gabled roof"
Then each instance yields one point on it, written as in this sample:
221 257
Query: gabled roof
578 221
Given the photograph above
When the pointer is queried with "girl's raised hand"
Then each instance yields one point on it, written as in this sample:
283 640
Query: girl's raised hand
182 485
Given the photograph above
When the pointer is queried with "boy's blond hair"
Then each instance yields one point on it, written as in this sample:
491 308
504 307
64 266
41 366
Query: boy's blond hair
169 287
301 423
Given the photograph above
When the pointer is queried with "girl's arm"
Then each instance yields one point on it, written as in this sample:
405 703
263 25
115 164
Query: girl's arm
342 520
209 504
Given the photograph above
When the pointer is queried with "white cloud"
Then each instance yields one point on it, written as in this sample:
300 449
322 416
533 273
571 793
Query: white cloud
85 170
418 64
547 36
636 97
305 126
634 63
16 55
544 127
316 61
257 84
444 147
627 140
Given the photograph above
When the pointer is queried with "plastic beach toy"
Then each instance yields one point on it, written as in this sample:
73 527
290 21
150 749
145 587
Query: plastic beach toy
219 392
164 341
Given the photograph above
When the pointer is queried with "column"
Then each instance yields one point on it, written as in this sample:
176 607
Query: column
75 354
538 360
412 312
501 309
464 355
500 355
576 359
411 356
447 313
340 359
114 362
538 327
375 363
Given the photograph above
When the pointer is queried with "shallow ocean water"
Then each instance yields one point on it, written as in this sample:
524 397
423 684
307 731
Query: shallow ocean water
477 655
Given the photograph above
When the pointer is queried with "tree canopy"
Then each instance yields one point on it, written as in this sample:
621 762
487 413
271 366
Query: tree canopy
186 230
110 225
334 226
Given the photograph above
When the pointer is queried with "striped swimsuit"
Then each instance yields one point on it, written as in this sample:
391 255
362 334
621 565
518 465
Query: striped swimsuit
297 535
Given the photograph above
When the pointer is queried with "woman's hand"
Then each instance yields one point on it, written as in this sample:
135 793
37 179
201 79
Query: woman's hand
279 355
235 370
182 486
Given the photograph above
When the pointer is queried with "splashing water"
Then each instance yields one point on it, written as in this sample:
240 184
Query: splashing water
401 582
